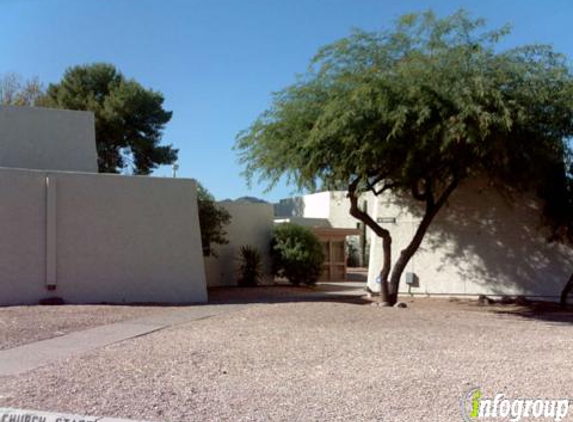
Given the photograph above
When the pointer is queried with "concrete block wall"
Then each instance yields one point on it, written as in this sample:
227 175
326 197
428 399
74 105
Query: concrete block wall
98 238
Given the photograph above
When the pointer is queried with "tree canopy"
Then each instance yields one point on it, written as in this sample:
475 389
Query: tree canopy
212 219
16 91
416 110
130 119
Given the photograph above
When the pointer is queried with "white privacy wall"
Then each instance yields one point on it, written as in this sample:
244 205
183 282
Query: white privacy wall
480 243
251 224
47 139
98 238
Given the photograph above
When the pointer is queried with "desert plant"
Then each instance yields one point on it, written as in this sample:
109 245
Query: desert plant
251 266
297 254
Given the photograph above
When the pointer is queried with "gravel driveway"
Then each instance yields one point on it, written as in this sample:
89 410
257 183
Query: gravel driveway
311 361
26 324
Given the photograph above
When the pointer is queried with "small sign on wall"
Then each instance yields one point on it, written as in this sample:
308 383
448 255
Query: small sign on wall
386 220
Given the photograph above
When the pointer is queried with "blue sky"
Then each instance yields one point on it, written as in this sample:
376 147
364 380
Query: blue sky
218 61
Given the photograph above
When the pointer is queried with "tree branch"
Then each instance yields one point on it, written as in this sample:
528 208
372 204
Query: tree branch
384 188
381 232
357 213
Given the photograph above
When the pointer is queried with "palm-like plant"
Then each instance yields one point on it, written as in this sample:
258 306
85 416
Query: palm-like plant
251 266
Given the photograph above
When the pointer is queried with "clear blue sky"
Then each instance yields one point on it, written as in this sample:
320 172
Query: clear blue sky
217 62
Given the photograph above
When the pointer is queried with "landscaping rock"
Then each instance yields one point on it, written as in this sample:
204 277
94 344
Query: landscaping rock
400 305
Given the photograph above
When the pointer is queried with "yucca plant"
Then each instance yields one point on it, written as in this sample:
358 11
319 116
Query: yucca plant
251 266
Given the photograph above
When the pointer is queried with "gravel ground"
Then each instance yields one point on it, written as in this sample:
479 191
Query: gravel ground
312 361
25 324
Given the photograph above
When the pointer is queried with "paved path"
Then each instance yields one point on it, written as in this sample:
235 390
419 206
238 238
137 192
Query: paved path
30 356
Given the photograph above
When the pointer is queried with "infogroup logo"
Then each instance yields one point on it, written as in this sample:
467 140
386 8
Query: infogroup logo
475 407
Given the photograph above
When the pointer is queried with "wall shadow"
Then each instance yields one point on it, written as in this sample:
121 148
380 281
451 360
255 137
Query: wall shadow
546 312
325 292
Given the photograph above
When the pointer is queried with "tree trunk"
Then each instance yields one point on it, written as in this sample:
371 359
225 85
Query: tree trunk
385 272
381 232
407 254
432 208
566 290
389 287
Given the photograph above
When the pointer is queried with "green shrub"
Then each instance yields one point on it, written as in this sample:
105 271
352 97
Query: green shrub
251 266
297 254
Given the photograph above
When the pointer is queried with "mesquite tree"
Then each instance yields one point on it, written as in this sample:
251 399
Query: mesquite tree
415 111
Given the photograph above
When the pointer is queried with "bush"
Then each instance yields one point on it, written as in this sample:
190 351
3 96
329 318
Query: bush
251 266
297 254
212 220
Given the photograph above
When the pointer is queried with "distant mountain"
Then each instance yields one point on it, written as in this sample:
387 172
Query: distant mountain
247 200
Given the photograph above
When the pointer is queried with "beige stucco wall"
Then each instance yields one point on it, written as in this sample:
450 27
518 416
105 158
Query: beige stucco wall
317 205
251 224
22 237
109 238
314 205
47 139
480 243
332 205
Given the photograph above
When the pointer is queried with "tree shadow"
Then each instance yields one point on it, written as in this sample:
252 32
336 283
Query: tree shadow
554 318
487 242
281 293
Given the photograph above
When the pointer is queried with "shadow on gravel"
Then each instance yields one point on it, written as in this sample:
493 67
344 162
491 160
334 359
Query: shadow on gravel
540 311
359 274
323 292
532 310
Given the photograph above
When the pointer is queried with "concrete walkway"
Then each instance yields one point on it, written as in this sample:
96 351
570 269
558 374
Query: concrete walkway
30 356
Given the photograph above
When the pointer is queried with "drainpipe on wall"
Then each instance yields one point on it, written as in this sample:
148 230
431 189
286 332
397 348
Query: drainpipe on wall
51 232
